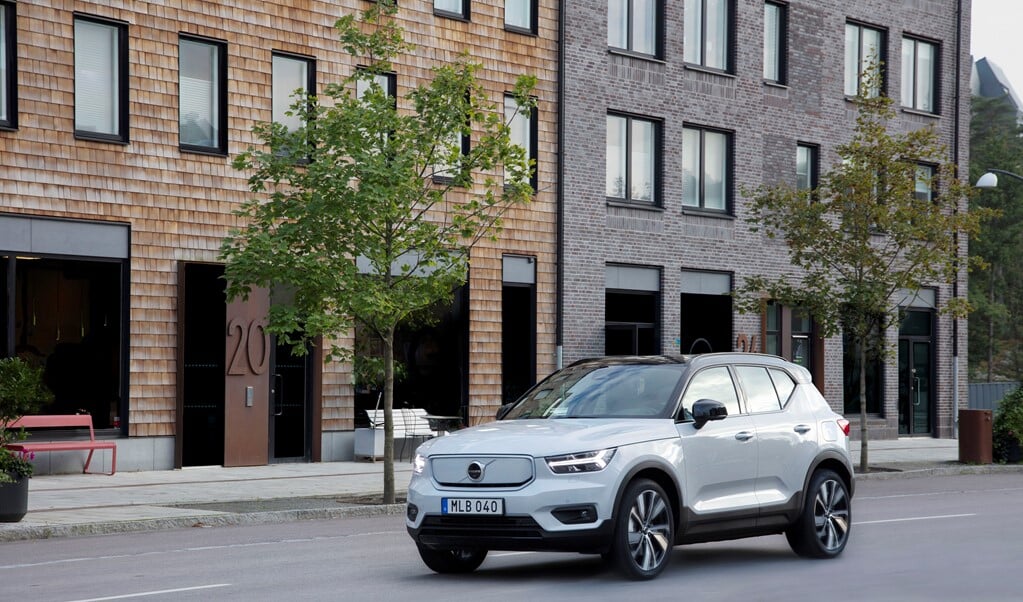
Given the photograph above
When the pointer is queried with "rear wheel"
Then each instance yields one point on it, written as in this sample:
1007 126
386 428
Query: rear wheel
644 531
822 529
452 561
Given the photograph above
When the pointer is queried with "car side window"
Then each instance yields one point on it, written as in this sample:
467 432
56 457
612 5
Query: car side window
711 383
783 384
759 388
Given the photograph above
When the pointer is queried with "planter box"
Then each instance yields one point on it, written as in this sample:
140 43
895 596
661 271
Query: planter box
369 443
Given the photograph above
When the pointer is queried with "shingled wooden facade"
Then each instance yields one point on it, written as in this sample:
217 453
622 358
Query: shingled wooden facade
134 214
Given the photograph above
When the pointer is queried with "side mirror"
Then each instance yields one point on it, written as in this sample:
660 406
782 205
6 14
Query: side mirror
503 410
705 410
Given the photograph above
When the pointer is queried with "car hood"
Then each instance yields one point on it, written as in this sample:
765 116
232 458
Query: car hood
546 437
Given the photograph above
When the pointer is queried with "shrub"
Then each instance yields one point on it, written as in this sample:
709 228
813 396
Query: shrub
1008 427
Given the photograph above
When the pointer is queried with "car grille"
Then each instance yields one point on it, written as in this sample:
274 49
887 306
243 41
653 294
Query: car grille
522 528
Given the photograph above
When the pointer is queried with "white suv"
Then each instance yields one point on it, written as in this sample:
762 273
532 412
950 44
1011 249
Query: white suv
629 456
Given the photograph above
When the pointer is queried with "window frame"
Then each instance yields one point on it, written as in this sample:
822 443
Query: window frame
932 190
463 15
310 83
532 29
121 116
630 50
220 148
729 175
882 54
729 44
782 46
9 48
934 75
814 175
657 154
531 152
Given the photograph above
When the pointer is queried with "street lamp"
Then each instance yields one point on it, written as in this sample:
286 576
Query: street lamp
990 178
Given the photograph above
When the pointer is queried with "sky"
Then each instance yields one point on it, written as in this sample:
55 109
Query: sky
997 33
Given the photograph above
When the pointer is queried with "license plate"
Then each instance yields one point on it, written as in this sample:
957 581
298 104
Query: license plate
471 505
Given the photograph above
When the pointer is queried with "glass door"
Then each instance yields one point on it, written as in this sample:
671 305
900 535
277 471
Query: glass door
289 405
916 375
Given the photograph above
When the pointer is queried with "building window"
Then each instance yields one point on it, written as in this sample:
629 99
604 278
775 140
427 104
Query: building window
452 8
806 167
632 306
386 81
101 80
864 46
924 189
707 33
705 169
775 42
632 155
522 124
788 333
919 75
635 26
291 75
520 15
8 62
202 102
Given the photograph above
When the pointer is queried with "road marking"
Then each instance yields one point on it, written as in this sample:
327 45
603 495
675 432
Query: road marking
157 592
912 518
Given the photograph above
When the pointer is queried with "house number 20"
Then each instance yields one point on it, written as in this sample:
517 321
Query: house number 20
250 347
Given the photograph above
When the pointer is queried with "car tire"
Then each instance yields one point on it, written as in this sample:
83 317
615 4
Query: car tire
451 561
644 534
822 529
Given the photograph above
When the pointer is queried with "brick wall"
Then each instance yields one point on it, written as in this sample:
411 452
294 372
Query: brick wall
767 121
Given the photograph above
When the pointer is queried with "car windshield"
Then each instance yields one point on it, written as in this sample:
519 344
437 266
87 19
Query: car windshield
603 391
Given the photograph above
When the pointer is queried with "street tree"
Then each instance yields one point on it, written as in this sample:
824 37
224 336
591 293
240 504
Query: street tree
996 326
368 210
883 220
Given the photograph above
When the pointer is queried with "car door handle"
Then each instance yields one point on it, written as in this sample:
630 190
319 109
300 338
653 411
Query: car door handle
744 435
802 428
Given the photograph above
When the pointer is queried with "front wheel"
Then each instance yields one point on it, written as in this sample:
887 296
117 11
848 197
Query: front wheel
644 531
822 529
451 561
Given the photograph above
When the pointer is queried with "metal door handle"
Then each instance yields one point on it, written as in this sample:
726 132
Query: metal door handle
744 435
802 428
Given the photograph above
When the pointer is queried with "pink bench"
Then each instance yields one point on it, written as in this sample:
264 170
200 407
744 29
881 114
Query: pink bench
57 421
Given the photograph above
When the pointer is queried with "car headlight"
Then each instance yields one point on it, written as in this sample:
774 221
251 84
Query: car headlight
592 461
419 464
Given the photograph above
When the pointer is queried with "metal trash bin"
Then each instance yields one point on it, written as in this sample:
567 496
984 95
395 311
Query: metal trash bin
975 428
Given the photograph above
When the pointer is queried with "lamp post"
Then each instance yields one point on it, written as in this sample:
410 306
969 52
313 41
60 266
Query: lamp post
990 178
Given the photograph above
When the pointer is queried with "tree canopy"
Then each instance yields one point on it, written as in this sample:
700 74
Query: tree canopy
884 221
996 328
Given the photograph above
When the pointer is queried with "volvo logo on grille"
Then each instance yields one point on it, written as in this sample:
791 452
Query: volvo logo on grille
475 471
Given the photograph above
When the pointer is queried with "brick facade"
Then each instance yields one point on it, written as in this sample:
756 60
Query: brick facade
766 121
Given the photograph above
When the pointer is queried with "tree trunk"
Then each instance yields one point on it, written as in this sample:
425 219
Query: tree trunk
863 407
389 417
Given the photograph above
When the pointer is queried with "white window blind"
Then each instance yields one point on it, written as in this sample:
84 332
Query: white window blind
517 13
96 77
289 75
518 120
198 94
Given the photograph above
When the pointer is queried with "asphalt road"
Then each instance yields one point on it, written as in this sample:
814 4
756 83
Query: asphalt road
939 538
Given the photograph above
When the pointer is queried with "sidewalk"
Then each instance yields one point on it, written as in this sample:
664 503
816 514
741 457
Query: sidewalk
72 505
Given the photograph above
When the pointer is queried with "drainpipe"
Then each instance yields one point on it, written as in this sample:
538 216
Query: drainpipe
955 160
560 194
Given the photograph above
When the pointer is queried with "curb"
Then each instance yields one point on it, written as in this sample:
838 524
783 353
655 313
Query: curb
29 532
909 471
